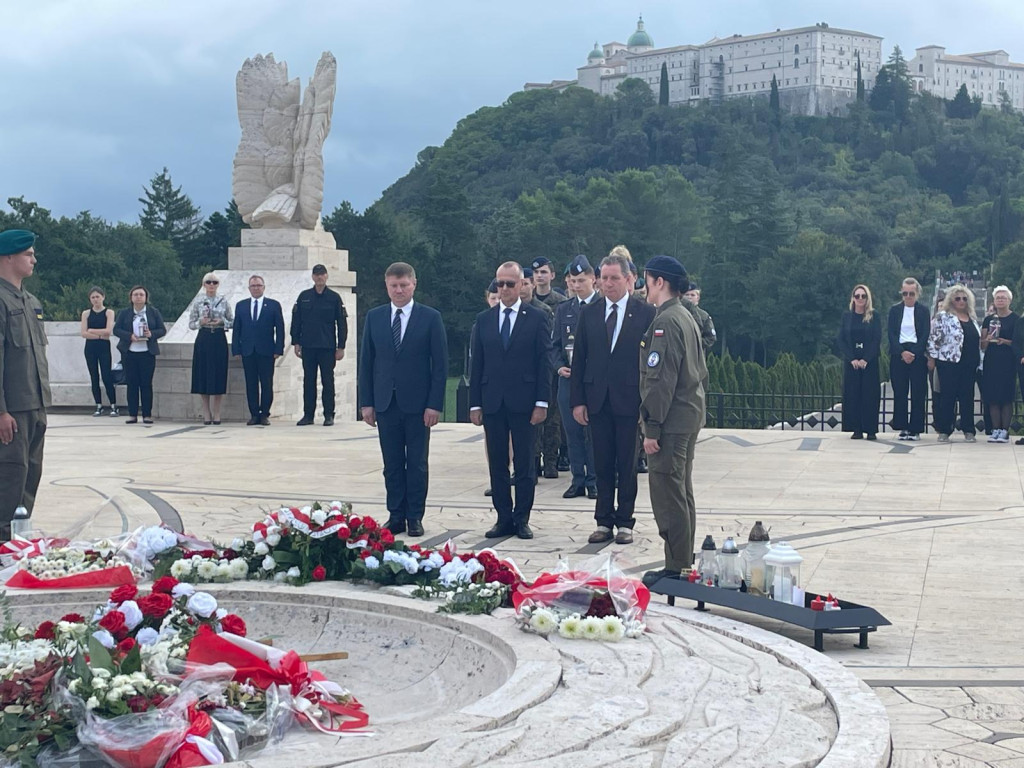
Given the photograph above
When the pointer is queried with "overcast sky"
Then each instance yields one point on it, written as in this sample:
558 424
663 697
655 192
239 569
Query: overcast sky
98 95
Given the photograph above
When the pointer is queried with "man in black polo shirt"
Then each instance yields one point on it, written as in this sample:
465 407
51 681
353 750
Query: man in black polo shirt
319 331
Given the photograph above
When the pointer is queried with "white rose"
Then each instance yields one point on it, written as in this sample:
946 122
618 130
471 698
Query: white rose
280 576
269 563
273 539
147 636
294 572
221 613
132 614
184 589
319 517
104 638
92 703
371 563
261 549
202 604
237 544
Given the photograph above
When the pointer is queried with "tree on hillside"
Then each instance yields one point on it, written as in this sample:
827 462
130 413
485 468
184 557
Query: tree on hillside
960 108
633 97
860 80
773 99
663 86
1005 102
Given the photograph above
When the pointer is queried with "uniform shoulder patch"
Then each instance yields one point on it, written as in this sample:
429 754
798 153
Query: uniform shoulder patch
659 332
653 359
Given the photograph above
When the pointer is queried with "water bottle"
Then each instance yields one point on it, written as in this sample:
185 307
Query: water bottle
21 524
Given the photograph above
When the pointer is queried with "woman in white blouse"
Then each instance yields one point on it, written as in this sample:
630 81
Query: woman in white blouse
211 315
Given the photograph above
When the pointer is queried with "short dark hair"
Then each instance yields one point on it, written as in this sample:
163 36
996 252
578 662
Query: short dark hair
400 269
96 289
616 258
135 288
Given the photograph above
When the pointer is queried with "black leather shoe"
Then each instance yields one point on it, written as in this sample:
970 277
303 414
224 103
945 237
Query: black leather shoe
523 531
305 421
498 532
328 421
601 535
265 421
550 472
574 491
253 422
641 466
563 464
592 492
488 492
415 528
395 526
653 577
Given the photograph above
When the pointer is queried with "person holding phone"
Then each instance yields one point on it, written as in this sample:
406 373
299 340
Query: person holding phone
138 327
211 316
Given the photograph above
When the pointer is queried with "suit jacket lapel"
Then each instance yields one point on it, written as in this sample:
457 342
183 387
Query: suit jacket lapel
520 319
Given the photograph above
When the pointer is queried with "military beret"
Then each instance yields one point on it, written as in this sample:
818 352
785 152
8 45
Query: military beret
539 262
319 269
15 241
692 287
665 266
493 287
527 272
579 265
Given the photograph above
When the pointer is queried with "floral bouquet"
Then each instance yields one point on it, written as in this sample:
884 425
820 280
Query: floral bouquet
472 582
75 567
595 601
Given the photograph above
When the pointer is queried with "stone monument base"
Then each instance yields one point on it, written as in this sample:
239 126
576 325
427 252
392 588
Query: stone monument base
284 258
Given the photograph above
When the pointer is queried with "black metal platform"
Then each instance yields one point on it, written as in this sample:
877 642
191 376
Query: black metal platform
852 619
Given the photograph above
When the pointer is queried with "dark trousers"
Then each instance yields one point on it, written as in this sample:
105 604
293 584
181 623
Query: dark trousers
581 448
956 382
498 427
405 445
861 393
21 466
314 360
139 368
615 446
259 383
903 377
97 360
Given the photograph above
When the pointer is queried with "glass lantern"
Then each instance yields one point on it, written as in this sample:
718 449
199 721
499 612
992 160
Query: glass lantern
706 565
730 567
782 571
753 559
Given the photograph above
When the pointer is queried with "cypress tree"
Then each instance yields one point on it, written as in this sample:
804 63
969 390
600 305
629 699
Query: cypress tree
773 100
663 89
860 80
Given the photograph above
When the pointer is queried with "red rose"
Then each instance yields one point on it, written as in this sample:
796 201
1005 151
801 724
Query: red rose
369 524
138 704
364 554
114 623
126 645
156 605
377 546
416 548
504 577
386 536
233 624
45 631
165 584
319 573
73 618
229 554
344 532
354 523
487 559
124 594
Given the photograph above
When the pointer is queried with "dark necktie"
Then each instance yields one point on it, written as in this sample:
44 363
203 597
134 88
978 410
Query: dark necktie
255 310
506 328
613 316
396 328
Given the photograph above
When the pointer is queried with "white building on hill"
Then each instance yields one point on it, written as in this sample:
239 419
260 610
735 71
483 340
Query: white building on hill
815 67
941 74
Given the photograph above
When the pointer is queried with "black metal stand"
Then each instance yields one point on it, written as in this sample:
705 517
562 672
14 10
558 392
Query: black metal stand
852 619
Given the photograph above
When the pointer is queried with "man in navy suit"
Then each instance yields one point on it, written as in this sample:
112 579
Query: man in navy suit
509 391
258 336
605 393
403 368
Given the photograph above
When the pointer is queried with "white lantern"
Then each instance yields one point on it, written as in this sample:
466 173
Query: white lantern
782 571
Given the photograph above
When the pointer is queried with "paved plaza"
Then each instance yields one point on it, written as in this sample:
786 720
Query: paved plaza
927 534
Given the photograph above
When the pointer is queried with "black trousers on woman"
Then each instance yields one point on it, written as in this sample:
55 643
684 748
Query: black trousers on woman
97 360
956 382
861 393
139 368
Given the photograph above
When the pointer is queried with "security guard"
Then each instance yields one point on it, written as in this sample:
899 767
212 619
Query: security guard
319 332
24 379
563 333
672 371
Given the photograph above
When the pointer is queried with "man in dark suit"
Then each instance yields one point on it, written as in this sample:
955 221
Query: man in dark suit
319 332
908 328
605 394
509 391
258 337
403 367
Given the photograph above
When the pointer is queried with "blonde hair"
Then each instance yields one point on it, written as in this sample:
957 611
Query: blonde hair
210 276
1002 289
869 307
952 293
621 250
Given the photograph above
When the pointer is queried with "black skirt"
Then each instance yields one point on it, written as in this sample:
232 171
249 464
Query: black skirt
210 363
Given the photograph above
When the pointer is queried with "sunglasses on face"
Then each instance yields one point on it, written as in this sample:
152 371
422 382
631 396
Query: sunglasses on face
910 293
860 296
959 298
507 283
212 282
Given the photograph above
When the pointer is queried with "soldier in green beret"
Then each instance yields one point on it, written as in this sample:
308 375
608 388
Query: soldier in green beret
672 372
24 379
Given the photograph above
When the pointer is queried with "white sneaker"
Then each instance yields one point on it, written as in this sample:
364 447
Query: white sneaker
1004 435
994 437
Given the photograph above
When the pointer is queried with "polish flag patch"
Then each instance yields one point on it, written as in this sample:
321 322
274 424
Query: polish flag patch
659 333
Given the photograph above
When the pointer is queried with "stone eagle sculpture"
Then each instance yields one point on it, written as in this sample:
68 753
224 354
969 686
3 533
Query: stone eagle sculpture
278 178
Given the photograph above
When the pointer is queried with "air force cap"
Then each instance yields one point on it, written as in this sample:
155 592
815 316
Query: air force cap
579 265
14 241
540 261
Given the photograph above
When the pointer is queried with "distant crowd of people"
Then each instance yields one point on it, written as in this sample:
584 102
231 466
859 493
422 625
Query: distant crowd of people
945 348
958 277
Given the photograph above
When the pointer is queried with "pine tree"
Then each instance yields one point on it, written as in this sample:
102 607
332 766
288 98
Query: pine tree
663 88
960 108
899 75
773 99
167 214
860 80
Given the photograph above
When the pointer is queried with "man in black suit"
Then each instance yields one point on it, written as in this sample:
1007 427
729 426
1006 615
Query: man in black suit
403 367
605 393
908 328
509 391
258 337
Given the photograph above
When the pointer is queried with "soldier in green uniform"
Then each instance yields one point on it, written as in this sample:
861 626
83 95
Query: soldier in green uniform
548 435
691 300
543 274
24 379
672 371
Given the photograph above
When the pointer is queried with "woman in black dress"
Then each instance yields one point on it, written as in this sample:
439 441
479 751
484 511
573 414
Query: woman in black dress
860 339
97 328
211 315
1000 364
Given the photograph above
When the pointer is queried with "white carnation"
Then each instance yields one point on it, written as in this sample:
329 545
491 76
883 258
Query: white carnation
269 563
261 549
207 570
181 568
273 539
371 563
184 589
294 572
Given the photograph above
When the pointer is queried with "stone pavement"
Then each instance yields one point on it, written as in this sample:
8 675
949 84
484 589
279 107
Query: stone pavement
925 533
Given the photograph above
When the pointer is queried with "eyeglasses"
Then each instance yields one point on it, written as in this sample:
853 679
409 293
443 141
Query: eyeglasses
910 293
507 283
959 298
860 295
212 282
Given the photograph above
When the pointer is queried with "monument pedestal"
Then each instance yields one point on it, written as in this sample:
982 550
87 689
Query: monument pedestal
284 258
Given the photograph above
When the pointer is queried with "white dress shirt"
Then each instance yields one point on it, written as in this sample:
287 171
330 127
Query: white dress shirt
257 307
620 313
511 327
406 311
587 300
